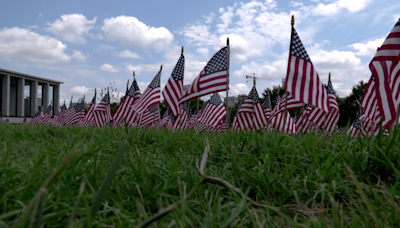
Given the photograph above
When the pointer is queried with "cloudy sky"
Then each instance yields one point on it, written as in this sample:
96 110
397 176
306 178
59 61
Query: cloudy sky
88 44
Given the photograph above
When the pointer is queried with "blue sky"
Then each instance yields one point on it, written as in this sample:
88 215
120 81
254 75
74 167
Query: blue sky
88 44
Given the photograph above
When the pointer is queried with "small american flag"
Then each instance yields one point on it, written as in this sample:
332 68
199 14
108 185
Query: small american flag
125 108
386 67
290 104
56 117
255 109
102 112
303 122
181 120
131 116
150 97
89 117
62 113
149 117
25 121
164 120
267 109
47 115
214 112
74 114
212 79
277 123
356 128
332 118
174 88
302 79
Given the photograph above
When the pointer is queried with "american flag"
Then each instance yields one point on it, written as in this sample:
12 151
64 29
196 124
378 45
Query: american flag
181 120
303 122
102 112
255 109
193 120
125 109
368 101
302 79
212 79
290 104
149 117
164 120
332 118
356 128
25 121
56 117
38 117
131 116
277 123
267 109
89 117
235 123
174 88
47 115
74 114
62 113
371 126
150 97
386 67
171 122
214 112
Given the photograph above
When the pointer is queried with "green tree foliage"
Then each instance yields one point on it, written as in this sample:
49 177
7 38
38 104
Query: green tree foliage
350 105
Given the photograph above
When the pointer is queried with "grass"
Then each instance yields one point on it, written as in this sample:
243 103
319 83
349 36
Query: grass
87 177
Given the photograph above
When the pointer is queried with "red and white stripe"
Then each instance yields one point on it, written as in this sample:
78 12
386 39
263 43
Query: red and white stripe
277 123
102 112
150 97
385 68
173 90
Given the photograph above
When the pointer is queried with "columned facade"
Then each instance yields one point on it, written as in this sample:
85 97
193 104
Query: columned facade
22 94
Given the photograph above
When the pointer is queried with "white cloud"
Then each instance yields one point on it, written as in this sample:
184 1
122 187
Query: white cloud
396 17
71 27
209 18
199 35
137 69
128 54
78 55
204 52
238 89
108 68
296 4
367 49
132 32
336 6
272 70
23 44
81 90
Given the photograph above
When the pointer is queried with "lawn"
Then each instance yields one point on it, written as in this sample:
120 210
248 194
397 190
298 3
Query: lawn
88 177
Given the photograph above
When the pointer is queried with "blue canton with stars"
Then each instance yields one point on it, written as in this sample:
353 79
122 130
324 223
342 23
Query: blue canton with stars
398 23
79 107
329 88
357 123
156 81
177 73
94 99
278 99
49 109
64 107
165 115
256 99
132 89
153 109
218 62
136 86
215 99
106 98
308 106
266 104
297 49
185 107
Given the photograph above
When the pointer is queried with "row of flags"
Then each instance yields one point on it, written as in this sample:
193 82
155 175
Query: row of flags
319 109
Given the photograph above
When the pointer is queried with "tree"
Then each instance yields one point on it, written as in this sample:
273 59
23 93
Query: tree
350 105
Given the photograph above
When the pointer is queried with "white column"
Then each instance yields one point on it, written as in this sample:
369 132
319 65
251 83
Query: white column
45 95
5 109
20 97
34 85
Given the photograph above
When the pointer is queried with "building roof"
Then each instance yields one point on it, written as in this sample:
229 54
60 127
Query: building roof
28 76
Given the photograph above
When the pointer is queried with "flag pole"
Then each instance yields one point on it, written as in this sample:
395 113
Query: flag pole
254 99
133 72
287 93
227 86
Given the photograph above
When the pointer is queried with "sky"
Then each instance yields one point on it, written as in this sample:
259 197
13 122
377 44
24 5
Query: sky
90 44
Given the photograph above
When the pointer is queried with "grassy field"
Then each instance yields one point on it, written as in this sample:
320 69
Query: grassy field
87 177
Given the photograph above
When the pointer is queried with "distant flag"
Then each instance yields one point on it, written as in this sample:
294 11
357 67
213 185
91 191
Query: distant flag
70 103
74 114
174 88
181 120
256 111
278 123
164 120
102 112
212 79
235 123
124 107
385 67
150 97
356 128
131 116
7 120
89 117
47 115
302 79
214 111
62 113
38 118
331 118
288 101
25 121
56 117
303 122
267 109
150 117
368 100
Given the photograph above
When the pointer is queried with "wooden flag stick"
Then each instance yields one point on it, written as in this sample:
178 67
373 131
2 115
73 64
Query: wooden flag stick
133 75
228 123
